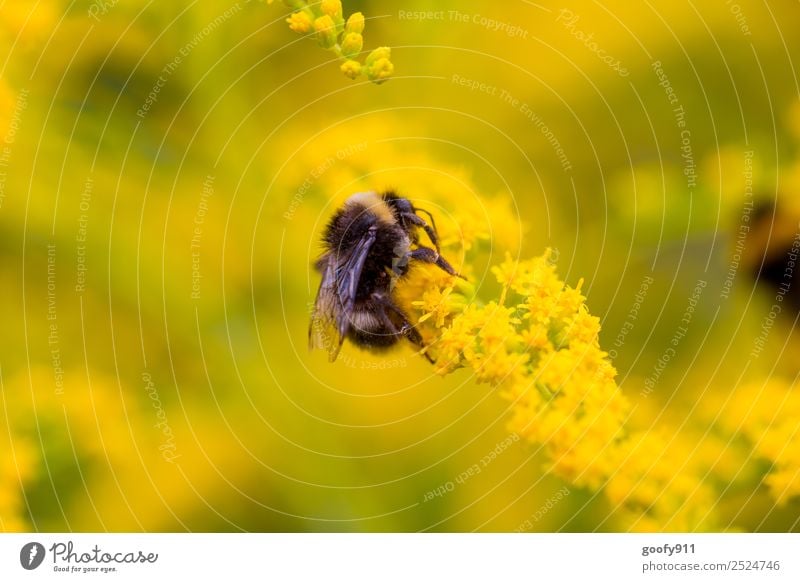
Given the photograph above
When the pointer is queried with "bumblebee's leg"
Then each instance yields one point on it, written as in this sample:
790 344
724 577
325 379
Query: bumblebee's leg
417 221
427 255
406 329
433 222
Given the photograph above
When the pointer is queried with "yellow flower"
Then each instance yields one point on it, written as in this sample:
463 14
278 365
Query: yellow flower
657 488
326 31
352 43
581 328
439 303
299 22
513 274
539 346
351 69
383 52
355 23
766 415
380 70
499 365
378 64
342 38
472 229
332 8
455 342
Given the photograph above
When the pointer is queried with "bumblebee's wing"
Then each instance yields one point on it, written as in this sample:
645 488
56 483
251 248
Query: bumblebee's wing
348 275
336 297
322 332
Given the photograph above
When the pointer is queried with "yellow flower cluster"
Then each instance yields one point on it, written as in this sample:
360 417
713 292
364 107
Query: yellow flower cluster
767 416
656 485
539 346
343 37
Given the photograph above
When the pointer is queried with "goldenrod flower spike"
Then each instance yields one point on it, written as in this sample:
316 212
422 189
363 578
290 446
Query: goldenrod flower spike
538 345
344 38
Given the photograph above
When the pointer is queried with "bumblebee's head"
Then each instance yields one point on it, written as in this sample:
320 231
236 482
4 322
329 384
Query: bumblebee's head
398 204
406 215
402 209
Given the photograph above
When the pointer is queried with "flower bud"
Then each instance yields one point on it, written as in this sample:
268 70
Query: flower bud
355 23
332 8
383 52
299 22
380 70
326 31
352 43
351 69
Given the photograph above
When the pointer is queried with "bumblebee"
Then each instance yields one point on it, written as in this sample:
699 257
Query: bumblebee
771 252
369 244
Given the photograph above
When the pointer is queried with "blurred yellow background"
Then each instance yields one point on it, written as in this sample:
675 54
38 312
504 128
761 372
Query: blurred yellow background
166 171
